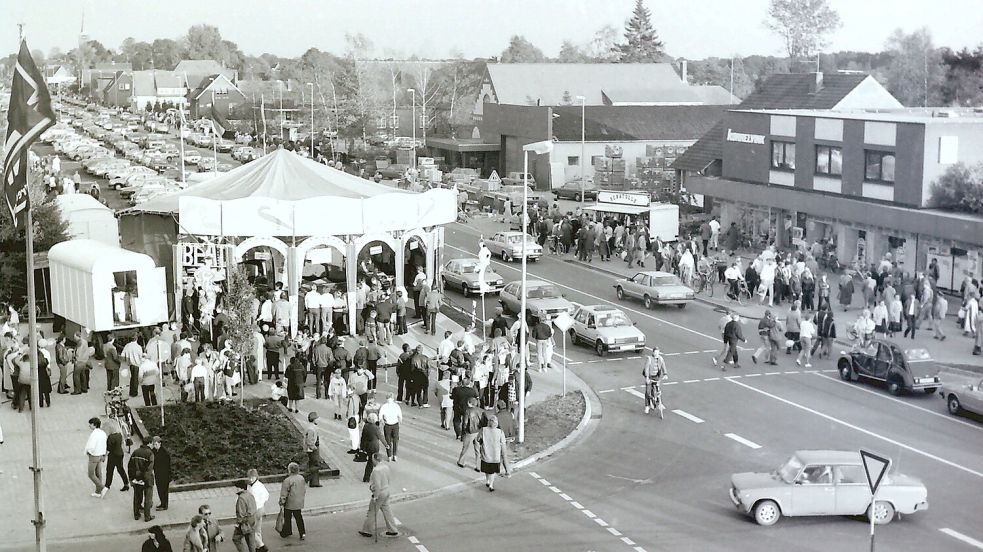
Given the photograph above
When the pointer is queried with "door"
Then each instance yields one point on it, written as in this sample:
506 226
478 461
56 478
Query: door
882 362
580 322
852 492
637 284
972 399
813 492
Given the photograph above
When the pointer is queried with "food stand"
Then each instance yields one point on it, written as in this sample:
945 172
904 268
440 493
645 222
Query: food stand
662 219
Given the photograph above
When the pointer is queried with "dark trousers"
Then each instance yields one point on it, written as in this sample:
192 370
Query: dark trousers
391 432
362 399
272 364
199 384
432 321
706 243
313 468
401 384
163 491
288 517
458 423
401 324
45 398
112 379
143 498
422 383
80 378
369 466
134 381
731 351
910 321
372 365
319 382
115 464
22 394
149 395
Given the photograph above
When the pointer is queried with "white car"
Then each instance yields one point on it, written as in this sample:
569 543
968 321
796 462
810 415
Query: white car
508 246
606 329
543 299
192 156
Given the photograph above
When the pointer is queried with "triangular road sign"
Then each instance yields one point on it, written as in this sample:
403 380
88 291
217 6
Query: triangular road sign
875 467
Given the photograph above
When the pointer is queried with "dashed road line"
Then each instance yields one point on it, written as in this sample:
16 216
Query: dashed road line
791 372
600 522
691 381
627 541
751 375
634 391
589 514
742 440
614 531
544 482
565 496
555 490
414 540
964 538
772 373
576 505
606 391
688 416
710 379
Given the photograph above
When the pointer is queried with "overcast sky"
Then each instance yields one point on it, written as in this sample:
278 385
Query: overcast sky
433 28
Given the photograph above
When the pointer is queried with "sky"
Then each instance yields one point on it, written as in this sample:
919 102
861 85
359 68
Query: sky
693 29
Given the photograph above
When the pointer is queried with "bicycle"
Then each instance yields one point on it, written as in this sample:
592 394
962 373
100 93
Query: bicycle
704 282
118 411
654 394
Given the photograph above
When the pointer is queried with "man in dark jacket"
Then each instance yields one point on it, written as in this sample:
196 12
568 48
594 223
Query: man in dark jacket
141 467
461 396
471 425
500 323
403 369
114 462
419 378
342 358
162 471
372 355
766 329
732 334
111 361
825 330
322 359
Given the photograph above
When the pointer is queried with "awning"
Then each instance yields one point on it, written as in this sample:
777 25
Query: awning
462 144
617 208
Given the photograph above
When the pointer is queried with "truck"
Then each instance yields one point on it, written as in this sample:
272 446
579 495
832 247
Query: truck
664 221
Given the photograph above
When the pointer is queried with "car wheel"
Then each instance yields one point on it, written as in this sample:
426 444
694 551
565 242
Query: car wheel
681 306
894 386
465 290
506 257
767 513
573 337
621 293
599 348
576 197
883 512
846 374
953 404
647 301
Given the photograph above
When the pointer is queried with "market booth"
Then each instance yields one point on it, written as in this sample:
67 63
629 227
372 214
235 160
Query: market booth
662 219
104 288
290 221
88 219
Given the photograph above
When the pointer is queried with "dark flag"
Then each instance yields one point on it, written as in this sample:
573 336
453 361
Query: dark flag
28 116
220 124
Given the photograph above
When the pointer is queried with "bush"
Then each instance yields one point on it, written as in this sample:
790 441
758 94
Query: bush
960 188
217 441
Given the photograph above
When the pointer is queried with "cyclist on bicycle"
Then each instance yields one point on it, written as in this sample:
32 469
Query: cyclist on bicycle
734 276
654 372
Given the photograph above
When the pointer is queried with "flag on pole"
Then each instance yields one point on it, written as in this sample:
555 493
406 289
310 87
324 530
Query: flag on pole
262 112
220 125
28 116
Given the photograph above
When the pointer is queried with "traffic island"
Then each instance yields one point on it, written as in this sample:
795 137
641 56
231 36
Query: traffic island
212 444
550 421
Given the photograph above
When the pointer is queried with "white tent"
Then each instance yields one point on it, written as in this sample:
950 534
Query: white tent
88 219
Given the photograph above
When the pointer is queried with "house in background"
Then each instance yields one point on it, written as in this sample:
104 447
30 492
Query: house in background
60 75
217 89
195 71
119 90
154 86
99 76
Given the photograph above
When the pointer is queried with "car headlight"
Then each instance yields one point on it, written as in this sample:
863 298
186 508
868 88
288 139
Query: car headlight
499 282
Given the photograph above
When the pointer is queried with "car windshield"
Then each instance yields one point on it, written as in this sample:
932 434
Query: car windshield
612 320
790 469
469 268
915 355
544 292
666 281
517 239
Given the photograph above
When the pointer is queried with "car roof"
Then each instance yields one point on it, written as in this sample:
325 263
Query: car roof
601 308
535 283
656 273
829 456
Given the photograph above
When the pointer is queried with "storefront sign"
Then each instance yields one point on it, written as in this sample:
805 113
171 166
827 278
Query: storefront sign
744 138
375 250
624 198
194 255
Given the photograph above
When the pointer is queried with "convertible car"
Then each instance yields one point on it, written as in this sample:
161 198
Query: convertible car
902 370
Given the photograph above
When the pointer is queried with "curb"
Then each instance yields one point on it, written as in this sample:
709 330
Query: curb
578 433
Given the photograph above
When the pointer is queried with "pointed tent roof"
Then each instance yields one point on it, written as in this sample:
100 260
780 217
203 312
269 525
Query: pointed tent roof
281 175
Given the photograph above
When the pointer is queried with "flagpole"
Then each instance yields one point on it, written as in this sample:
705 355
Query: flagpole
214 136
180 133
38 522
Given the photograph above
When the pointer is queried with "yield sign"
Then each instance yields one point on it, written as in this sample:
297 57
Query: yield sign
875 467
563 321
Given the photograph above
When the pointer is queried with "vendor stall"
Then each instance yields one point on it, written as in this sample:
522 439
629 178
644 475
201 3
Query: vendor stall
88 219
662 219
105 288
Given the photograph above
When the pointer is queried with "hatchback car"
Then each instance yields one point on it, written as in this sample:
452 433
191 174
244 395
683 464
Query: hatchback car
508 246
543 299
902 370
654 288
824 483
606 329
963 395
462 275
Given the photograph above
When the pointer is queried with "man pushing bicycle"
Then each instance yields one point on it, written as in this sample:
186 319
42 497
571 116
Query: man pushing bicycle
654 372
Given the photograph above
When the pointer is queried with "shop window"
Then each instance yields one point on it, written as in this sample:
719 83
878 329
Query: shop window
573 160
879 167
783 156
596 160
829 160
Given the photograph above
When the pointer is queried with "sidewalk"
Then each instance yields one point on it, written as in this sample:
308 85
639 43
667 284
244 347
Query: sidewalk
427 461
956 350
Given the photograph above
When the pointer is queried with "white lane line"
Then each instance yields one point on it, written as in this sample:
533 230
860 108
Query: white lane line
691 353
589 514
670 382
422 548
688 416
555 490
751 375
414 540
892 399
574 363
959 536
862 430
576 505
710 351
633 391
565 496
772 373
614 531
711 379
792 372
600 522
627 541
733 377
742 440
671 354
605 391
621 306
544 482
639 549
534 474
690 381
829 371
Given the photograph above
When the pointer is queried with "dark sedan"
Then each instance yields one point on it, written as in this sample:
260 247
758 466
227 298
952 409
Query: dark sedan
572 190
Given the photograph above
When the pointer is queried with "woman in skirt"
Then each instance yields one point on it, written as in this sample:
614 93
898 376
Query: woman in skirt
494 457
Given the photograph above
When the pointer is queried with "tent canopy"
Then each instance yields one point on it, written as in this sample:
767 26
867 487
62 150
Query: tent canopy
87 218
281 175
93 257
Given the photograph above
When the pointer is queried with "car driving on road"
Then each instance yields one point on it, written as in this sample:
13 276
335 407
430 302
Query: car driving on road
606 329
508 246
901 370
963 395
824 483
462 275
654 288
543 299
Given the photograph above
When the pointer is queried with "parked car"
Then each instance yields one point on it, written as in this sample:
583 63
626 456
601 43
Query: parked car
572 190
543 299
224 146
961 395
824 483
508 246
519 179
902 370
654 288
462 275
206 164
192 156
606 329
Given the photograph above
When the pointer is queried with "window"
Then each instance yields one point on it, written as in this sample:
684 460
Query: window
783 156
879 167
381 123
850 475
829 160
596 160
395 120
573 160
124 86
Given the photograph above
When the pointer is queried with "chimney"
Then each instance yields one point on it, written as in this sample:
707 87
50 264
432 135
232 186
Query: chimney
817 84
682 71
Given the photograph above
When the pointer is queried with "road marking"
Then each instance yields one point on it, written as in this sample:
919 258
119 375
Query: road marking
688 416
751 375
892 399
605 391
422 548
772 373
600 522
633 391
544 482
692 352
614 531
791 372
414 540
670 382
555 490
585 294
627 541
589 514
959 536
742 440
862 430
576 505
639 549
711 379
710 351
691 381
565 496
534 474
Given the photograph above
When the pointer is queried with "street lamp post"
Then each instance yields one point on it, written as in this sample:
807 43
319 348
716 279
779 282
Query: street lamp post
583 148
311 84
539 148
413 91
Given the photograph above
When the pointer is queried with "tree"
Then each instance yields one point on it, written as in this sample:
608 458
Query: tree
642 44
718 71
139 54
803 25
206 42
237 303
572 53
521 50
960 188
916 73
49 229
601 47
357 100
166 53
461 83
964 77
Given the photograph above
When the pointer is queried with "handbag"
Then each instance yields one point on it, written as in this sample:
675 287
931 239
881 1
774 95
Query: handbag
352 423
278 526
360 456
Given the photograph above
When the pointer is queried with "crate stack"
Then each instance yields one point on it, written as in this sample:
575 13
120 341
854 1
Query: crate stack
609 174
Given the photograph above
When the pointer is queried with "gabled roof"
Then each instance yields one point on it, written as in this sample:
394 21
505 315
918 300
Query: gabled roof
113 66
197 70
270 89
196 93
147 83
780 91
548 83
629 123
